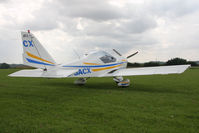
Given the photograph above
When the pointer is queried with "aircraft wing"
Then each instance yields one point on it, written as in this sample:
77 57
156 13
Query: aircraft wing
177 69
57 73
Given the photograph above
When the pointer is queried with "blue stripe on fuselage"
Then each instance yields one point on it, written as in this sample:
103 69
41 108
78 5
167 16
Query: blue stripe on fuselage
38 62
98 65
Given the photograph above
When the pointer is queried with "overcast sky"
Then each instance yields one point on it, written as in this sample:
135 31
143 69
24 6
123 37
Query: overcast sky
158 29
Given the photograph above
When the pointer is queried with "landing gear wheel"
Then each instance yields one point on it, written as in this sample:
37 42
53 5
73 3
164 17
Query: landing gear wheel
80 81
124 83
121 81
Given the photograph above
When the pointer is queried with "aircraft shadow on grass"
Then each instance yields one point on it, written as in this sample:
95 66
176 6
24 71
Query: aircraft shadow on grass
111 86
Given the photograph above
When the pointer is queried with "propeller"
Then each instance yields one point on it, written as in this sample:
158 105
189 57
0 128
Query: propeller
117 52
127 56
132 55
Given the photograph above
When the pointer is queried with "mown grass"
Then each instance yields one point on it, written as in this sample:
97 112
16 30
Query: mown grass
152 104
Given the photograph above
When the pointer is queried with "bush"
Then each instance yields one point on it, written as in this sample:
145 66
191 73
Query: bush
4 66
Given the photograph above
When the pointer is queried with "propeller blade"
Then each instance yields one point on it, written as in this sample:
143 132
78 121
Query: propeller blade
117 52
131 55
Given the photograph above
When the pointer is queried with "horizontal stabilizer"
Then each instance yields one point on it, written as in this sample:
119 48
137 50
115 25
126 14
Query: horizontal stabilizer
177 69
41 73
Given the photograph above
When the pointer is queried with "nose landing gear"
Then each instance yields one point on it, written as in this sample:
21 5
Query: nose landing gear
121 81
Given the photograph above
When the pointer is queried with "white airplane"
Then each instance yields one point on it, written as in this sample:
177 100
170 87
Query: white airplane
95 64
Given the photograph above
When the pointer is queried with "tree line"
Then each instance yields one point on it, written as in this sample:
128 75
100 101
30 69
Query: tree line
174 61
18 66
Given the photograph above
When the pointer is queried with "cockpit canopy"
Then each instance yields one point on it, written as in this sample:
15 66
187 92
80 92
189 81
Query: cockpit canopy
103 56
108 58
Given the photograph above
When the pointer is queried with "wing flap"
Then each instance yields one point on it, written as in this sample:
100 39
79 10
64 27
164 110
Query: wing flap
150 70
45 74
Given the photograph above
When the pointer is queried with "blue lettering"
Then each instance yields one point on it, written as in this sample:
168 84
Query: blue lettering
30 43
25 43
89 70
76 73
83 71
80 72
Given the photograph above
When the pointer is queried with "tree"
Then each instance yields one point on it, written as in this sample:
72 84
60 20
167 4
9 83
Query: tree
149 64
176 61
4 66
192 63
133 64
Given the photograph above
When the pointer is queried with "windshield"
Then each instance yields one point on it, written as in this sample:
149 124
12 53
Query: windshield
107 58
103 56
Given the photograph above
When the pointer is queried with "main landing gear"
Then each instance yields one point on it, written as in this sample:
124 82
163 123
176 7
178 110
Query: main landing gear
121 81
80 81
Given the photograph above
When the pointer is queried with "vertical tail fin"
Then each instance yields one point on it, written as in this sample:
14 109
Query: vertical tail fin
34 53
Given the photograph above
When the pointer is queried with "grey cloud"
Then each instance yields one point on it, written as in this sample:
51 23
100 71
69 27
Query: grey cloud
139 25
95 10
123 44
45 18
103 29
3 1
69 25
66 13
119 29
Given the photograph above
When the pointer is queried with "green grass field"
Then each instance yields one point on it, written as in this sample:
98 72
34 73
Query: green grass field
152 104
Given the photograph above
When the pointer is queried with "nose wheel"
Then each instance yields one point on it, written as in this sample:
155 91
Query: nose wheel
121 81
